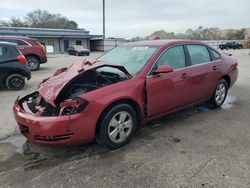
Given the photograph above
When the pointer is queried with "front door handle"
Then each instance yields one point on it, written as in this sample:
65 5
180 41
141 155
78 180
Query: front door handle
214 68
184 76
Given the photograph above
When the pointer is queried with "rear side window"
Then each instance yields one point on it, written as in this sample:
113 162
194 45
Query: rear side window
215 55
198 54
18 42
174 56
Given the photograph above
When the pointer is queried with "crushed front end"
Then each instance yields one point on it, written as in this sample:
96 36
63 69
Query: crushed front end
40 122
58 113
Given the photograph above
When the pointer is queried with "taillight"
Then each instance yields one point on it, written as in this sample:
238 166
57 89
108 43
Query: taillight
22 59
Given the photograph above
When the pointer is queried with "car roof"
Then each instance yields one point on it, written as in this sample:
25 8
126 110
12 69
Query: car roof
162 42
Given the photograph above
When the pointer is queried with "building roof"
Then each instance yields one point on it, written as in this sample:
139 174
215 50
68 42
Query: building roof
45 32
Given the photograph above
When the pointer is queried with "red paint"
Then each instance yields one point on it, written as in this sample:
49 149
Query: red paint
166 92
32 48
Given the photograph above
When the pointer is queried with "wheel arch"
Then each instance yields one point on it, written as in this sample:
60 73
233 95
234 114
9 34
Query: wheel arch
227 78
13 71
30 55
128 101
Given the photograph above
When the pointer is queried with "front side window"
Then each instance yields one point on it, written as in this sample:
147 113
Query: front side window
198 54
133 58
174 57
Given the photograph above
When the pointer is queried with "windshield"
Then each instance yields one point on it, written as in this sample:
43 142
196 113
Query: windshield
78 47
133 58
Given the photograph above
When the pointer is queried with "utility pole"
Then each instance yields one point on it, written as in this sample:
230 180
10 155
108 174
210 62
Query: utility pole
103 16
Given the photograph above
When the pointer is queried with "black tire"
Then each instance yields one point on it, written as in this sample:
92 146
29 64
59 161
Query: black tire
103 133
214 101
33 63
15 82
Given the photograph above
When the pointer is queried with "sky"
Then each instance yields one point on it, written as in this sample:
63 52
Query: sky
130 18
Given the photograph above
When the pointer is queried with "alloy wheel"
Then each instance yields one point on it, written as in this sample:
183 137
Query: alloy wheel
120 127
220 93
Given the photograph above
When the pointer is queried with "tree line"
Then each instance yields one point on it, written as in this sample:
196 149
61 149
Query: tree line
199 34
41 19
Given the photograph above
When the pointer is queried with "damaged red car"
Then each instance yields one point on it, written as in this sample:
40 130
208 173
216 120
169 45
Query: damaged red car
109 98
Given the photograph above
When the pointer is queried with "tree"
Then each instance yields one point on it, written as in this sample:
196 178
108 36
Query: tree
41 19
14 22
44 19
236 35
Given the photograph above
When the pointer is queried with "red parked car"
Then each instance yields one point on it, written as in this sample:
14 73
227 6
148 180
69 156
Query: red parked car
33 51
109 98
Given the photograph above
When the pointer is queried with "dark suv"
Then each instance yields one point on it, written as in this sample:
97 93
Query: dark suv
13 67
230 45
33 51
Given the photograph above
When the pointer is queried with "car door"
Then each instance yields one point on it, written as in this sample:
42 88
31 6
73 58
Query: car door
203 72
168 91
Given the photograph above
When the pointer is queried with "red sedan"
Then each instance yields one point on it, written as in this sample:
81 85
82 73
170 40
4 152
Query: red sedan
109 98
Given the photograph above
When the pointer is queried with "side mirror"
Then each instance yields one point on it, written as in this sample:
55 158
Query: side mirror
164 69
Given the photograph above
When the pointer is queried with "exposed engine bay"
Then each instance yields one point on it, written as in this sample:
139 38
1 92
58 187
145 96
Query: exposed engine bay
69 100
91 80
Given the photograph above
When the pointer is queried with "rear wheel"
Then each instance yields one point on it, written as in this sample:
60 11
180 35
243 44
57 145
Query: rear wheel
15 82
117 126
33 63
220 93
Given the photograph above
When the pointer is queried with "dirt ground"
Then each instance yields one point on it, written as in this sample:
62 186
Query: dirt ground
195 147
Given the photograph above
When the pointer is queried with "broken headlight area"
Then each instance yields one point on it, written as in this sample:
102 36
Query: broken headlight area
73 106
35 104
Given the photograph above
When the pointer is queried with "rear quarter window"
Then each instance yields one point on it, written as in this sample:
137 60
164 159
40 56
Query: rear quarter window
215 55
3 51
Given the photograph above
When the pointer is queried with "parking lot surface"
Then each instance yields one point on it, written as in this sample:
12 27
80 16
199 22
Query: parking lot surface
195 147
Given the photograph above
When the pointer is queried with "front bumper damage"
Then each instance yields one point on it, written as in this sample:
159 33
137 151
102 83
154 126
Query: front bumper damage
53 130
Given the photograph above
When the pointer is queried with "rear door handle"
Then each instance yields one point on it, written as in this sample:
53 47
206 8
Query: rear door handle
214 68
184 76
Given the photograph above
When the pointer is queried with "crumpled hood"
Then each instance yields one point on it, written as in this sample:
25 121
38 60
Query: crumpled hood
50 88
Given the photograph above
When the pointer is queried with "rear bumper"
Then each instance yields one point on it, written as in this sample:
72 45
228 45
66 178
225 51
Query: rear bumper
43 59
56 130
233 76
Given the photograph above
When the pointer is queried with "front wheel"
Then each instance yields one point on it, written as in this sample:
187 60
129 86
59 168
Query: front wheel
117 126
220 93
33 63
15 82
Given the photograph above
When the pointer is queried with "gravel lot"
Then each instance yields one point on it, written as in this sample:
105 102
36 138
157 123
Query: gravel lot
195 147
